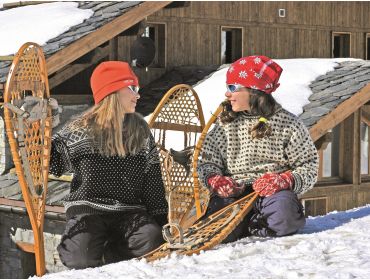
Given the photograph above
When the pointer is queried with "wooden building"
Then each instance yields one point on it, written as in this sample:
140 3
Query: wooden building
201 34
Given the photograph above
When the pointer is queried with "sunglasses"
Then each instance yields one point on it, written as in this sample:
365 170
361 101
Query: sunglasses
134 89
234 88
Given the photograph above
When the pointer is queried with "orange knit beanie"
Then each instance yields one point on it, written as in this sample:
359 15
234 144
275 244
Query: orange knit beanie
110 76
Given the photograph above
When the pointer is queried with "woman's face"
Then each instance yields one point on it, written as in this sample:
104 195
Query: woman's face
239 99
128 99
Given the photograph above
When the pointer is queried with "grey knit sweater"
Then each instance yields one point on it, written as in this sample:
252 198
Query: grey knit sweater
230 150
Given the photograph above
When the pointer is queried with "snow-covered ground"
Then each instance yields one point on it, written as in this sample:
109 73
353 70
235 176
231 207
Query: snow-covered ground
333 246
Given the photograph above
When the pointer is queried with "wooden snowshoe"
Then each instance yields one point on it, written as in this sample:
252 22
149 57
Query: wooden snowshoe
206 233
179 112
187 238
29 133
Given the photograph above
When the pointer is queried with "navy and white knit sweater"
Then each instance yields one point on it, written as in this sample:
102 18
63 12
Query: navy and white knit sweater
104 184
230 150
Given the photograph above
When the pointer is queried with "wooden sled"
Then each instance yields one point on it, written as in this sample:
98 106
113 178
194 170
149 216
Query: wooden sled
30 138
179 112
209 232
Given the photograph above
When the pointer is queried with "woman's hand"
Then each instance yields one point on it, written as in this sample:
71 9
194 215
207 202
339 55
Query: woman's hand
225 186
271 183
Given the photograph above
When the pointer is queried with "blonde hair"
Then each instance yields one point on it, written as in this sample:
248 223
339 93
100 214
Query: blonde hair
114 131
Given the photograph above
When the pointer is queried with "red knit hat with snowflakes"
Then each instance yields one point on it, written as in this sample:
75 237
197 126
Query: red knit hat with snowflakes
256 72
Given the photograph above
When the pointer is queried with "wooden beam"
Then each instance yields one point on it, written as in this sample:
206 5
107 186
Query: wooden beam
74 99
71 70
321 161
26 246
20 203
340 113
250 24
323 142
113 48
102 34
23 3
6 57
350 149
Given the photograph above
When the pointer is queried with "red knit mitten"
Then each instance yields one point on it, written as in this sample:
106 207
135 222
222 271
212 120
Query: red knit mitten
224 186
271 183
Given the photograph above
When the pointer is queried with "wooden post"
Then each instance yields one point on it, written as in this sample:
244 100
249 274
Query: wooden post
113 48
350 152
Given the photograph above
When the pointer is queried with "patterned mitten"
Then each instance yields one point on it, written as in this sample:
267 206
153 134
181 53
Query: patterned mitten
225 186
271 183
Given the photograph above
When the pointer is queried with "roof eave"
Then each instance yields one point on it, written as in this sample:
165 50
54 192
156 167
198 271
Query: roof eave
340 113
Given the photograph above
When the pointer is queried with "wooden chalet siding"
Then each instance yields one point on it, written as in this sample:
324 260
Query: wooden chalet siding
194 32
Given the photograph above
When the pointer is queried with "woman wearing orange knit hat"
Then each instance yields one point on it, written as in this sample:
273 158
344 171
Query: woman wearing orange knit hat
116 205
257 145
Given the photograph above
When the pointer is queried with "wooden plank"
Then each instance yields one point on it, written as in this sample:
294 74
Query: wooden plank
321 166
253 23
74 99
113 48
6 57
23 3
101 35
25 246
350 159
20 203
330 190
71 70
315 206
340 113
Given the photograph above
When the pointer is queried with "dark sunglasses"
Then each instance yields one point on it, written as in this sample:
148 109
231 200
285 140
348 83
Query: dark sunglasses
134 88
233 88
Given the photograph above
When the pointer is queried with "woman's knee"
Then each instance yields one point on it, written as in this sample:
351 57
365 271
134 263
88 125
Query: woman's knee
284 213
147 238
82 242
74 253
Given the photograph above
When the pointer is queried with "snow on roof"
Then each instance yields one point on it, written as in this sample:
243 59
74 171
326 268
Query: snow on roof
38 23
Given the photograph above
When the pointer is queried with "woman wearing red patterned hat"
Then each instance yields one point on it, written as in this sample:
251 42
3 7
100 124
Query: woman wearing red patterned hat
257 145
116 205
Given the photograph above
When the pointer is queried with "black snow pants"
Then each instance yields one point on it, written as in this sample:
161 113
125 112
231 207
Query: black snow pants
94 240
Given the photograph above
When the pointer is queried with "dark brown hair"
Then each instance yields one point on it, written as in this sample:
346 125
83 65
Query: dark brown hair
261 104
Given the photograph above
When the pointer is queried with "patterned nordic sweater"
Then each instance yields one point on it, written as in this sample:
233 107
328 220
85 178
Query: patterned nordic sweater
230 150
103 184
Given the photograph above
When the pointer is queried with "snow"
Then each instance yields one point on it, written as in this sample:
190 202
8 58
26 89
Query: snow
37 23
336 245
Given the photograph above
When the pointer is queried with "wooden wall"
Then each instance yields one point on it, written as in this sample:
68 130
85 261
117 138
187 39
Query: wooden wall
193 32
350 189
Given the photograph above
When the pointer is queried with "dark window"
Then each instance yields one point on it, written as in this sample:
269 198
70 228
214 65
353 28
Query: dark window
341 45
157 32
231 44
